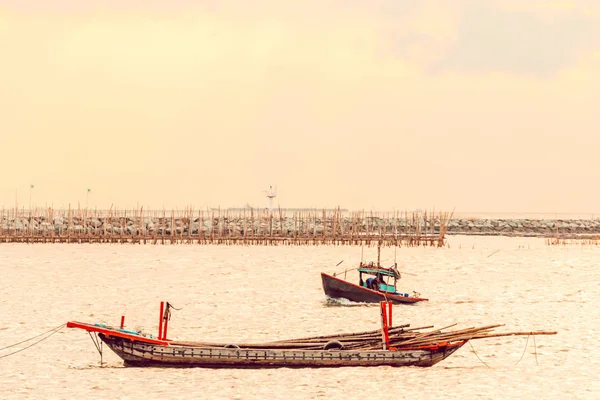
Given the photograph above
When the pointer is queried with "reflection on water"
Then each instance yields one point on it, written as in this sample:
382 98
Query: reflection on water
256 294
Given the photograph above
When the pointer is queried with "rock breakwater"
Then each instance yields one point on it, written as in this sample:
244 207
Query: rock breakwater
282 226
525 227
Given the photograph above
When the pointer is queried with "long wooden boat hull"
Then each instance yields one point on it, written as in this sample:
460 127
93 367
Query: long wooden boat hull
339 288
142 354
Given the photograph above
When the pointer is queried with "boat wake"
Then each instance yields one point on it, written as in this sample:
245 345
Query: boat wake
98 366
342 302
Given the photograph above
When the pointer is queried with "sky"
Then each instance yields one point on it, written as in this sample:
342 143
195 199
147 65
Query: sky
461 104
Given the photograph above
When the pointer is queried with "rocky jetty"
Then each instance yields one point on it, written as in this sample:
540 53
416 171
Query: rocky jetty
525 227
291 226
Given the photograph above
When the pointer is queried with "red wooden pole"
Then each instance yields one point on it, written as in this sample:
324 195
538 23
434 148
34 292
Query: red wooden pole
384 326
390 313
122 321
385 330
382 323
160 320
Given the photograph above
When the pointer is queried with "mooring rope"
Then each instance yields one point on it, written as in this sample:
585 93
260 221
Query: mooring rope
483 362
50 332
525 349
535 349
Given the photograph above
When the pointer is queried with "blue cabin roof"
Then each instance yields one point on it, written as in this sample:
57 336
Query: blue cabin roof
376 271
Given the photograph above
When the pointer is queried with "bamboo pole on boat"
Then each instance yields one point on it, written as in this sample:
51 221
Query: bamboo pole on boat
492 335
349 336
397 338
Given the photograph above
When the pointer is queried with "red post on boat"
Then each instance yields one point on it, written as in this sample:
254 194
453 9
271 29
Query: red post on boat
390 314
384 325
166 318
122 321
386 331
160 320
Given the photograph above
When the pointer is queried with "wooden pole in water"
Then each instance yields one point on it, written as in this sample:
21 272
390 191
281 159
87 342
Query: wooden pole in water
280 221
369 226
306 221
163 224
245 232
201 225
142 226
258 222
395 226
69 225
333 221
212 227
172 235
324 225
341 222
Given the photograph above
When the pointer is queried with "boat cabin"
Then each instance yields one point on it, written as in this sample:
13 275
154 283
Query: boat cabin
386 278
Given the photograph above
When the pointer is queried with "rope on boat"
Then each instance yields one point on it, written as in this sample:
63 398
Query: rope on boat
534 349
97 343
525 349
483 362
50 332
344 271
167 315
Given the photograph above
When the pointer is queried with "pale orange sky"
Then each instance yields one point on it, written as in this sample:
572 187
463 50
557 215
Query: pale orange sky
482 107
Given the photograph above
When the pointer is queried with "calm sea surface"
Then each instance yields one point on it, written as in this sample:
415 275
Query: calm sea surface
268 293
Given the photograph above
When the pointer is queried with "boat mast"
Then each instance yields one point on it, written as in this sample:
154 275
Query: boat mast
378 254
361 254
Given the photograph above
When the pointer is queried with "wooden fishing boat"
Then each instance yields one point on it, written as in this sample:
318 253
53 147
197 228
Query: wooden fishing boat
141 351
390 346
383 287
366 349
336 288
